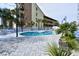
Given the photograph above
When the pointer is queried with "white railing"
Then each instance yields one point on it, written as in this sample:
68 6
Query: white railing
7 31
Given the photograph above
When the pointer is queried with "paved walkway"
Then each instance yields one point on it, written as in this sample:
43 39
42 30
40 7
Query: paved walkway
26 46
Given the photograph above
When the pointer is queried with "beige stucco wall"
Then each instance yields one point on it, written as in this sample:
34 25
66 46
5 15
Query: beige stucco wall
30 13
39 15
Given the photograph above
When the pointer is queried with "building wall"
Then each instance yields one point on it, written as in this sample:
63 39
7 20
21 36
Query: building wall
37 14
27 12
49 22
32 12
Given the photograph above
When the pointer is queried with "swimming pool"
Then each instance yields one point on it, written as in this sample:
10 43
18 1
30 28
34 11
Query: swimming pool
38 33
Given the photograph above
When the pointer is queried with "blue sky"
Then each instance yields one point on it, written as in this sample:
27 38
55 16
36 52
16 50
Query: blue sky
7 5
60 10
55 10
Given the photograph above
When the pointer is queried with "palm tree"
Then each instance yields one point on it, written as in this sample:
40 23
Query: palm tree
30 23
6 16
71 42
10 19
20 22
21 25
67 30
38 22
63 28
3 15
73 26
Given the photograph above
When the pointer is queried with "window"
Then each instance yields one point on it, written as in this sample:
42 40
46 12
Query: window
22 15
36 8
36 14
22 6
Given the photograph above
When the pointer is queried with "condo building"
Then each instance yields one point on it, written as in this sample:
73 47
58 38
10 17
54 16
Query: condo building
32 15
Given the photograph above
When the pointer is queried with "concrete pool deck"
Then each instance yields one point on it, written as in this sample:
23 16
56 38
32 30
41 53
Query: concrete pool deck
26 46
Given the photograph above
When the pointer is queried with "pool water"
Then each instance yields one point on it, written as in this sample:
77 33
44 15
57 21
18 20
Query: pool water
38 33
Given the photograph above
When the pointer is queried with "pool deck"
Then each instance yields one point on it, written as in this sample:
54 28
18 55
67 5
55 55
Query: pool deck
26 46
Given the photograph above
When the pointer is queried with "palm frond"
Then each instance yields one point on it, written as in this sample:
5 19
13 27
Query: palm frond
53 50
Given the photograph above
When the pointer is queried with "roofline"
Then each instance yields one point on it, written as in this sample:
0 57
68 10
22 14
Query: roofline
39 8
49 18
44 14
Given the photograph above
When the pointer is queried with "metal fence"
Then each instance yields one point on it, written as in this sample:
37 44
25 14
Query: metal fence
7 31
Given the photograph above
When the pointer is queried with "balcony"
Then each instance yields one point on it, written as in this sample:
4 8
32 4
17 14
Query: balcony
22 8
22 15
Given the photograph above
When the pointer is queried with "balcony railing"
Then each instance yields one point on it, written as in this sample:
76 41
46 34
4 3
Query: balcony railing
22 8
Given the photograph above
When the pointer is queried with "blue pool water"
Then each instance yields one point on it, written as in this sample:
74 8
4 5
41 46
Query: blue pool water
37 33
